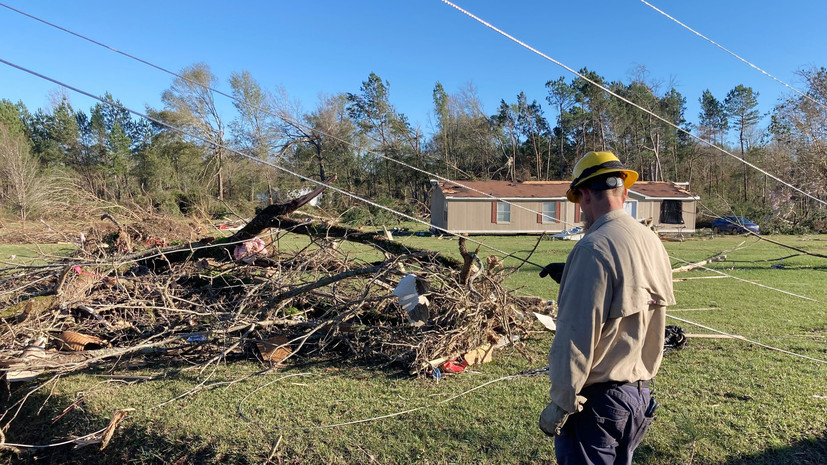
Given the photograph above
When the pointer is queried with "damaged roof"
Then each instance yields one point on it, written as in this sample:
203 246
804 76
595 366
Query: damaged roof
662 190
550 190
506 189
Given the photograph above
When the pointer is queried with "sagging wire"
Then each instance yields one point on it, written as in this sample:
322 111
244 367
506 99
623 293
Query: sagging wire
380 417
735 336
282 117
624 99
341 191
264 162
404 164
334 137
731 53
749 282
239 407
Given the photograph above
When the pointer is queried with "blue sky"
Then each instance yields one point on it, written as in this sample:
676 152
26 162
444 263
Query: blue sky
326 47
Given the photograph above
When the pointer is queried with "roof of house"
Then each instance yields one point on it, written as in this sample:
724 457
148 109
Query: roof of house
506 189
549 189
660 190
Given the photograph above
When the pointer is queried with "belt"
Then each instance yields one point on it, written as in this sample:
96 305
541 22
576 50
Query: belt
642 384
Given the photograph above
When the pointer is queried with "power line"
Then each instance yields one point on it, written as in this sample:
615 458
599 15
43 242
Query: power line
731 53
279 116
298 124
343 192
750 282
250 157
748 340
303 126
614 94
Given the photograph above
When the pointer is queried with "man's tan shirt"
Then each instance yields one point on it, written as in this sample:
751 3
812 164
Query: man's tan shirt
612 309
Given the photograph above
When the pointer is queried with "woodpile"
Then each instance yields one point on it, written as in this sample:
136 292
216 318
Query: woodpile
196 304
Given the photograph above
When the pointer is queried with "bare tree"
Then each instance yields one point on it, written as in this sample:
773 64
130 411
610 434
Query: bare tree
22 190
190 104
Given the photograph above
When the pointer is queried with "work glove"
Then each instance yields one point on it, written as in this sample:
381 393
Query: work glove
552 419
555 270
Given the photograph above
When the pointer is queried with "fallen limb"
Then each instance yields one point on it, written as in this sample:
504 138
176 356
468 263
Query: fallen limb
692 266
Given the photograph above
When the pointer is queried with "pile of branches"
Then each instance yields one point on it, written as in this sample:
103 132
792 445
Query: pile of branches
207 301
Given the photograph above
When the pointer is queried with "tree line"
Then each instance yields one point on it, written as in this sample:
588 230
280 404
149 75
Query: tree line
189 157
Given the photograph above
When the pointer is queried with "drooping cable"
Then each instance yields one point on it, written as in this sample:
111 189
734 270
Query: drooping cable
749 282
264 162
624 99
282 117
343 192
731 53
734 336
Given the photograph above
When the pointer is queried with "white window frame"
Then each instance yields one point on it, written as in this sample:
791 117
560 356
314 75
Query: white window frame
503 213
631 208
549 216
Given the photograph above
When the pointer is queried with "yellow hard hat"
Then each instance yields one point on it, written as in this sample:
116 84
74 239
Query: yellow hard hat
594 164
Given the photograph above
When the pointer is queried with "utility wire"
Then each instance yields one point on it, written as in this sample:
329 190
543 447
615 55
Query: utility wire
354 196
279 116
336 189
734 336
272 165
306 127
624 99
731 53
55 81
750 282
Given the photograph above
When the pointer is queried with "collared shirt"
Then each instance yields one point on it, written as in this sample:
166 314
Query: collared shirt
612 309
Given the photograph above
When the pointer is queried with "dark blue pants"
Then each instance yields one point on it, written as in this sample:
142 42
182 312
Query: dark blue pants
608 429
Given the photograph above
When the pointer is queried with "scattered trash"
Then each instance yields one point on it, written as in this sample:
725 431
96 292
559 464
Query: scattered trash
71 340
480 355
455 365
275 349
248 251
196 338
674 339
410 291
547 321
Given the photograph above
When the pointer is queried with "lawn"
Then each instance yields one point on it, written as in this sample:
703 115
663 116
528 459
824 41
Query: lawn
724 401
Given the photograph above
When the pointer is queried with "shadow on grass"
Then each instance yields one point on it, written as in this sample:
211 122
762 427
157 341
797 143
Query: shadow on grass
45 419
806 452
51 416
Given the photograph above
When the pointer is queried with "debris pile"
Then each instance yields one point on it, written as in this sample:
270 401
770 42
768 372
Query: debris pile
245 296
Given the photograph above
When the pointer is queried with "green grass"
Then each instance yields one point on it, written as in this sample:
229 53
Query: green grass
33 254
725 401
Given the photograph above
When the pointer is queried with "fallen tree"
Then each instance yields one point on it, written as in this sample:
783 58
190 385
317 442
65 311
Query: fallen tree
179 302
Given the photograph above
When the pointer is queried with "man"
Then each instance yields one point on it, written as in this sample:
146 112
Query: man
614 289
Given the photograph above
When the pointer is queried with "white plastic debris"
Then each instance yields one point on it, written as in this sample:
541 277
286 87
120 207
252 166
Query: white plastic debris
547 321
409 292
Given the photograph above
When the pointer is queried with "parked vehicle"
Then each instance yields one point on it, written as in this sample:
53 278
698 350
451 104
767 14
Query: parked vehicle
734 225
574 234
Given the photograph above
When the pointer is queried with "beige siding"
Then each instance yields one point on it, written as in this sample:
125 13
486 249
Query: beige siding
475 216
438 209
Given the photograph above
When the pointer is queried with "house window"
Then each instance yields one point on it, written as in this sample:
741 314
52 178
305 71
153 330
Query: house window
503 212
549 212
671 212
631 208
